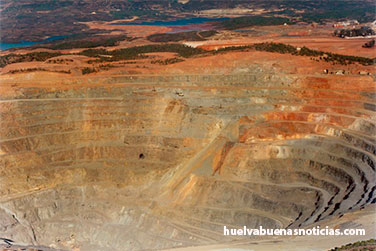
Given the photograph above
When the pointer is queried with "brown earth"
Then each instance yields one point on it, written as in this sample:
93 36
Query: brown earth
145 156
130 30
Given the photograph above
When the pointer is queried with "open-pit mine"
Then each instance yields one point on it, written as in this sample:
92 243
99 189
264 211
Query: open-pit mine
164 160
159 145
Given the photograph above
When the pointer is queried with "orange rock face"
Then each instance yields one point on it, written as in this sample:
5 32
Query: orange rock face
166 156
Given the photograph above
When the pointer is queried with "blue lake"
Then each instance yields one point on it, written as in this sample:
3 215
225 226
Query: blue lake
6 46
177 22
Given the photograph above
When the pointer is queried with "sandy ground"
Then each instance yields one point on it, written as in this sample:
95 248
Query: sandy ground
361 219
130 30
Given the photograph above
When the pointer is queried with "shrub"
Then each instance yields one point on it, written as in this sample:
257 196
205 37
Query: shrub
88 70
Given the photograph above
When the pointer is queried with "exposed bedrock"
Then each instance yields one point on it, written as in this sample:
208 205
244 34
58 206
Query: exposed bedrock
167 161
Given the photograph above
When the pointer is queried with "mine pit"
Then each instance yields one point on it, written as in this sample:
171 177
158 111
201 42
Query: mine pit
273 166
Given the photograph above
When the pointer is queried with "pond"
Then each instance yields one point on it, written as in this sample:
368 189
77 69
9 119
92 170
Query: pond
6 46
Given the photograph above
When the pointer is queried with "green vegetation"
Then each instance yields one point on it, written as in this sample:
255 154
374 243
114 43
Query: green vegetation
129 13
184 51
167 61
29 57
106 67
241 22
89 42
325 10
36 69
233 48
276 47
360 13
186 36
138 51
369 44
28 20
94 52
304 51
208 33
60 61
359 245
88 70
102 67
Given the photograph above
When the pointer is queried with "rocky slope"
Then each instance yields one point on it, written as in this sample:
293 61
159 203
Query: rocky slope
166 160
